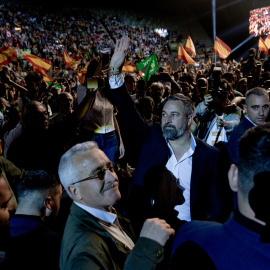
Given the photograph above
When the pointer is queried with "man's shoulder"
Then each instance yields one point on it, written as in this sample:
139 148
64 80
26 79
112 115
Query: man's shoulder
86 242
240 129
33 229
81 230
206 226
197 231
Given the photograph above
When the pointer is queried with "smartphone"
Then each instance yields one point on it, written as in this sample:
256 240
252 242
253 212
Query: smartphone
95 83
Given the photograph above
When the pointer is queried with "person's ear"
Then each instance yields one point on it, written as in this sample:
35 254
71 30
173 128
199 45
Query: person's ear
233 177
190 119
48 206
49 203
75 192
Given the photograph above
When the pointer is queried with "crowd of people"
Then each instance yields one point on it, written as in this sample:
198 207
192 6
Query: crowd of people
80 32
109 171
259 21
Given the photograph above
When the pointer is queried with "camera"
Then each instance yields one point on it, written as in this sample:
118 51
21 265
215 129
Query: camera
218 93
216 77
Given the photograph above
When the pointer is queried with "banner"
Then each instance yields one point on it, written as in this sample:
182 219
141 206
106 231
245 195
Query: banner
151 66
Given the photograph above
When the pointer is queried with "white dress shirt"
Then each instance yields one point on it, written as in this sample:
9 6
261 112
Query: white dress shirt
182 171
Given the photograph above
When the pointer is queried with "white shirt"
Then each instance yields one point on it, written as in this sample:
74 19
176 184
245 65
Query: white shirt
100 118
182 171
100 214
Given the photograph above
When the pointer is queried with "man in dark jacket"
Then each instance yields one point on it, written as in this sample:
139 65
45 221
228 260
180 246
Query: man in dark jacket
171 145
39 195
95 236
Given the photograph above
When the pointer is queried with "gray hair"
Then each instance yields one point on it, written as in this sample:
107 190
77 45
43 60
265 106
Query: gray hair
157 85
67 170
189 107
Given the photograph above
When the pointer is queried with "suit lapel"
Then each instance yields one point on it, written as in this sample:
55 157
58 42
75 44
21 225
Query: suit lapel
197 167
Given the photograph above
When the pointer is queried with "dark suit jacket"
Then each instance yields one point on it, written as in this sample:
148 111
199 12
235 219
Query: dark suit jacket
204 201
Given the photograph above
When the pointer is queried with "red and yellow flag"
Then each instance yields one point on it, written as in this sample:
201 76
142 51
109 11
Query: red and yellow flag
267 41
37 62
39 65
67 58
45 78
83 72
190 47
7 54
221 49
128 68
71 63
208 62
182 54
262 46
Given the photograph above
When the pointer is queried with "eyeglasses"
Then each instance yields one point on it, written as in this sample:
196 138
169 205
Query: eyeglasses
100 173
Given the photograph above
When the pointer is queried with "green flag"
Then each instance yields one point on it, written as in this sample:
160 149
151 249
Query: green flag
151 66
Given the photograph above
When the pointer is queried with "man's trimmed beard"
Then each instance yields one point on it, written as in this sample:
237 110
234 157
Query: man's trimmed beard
172 133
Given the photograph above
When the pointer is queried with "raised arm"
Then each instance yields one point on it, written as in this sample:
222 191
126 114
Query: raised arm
119 55
120 97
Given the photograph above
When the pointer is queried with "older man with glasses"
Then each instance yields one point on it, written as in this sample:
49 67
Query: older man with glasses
95 236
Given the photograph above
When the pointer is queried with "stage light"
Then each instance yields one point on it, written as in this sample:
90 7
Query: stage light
229 4
242 43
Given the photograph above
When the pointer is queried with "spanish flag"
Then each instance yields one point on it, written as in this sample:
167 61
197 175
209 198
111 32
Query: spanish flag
83 72
190 47
67 58
128 68
39 65
45 78
262 46
221 49
267 42
71 63
37 62
182 54
7 54
208 62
